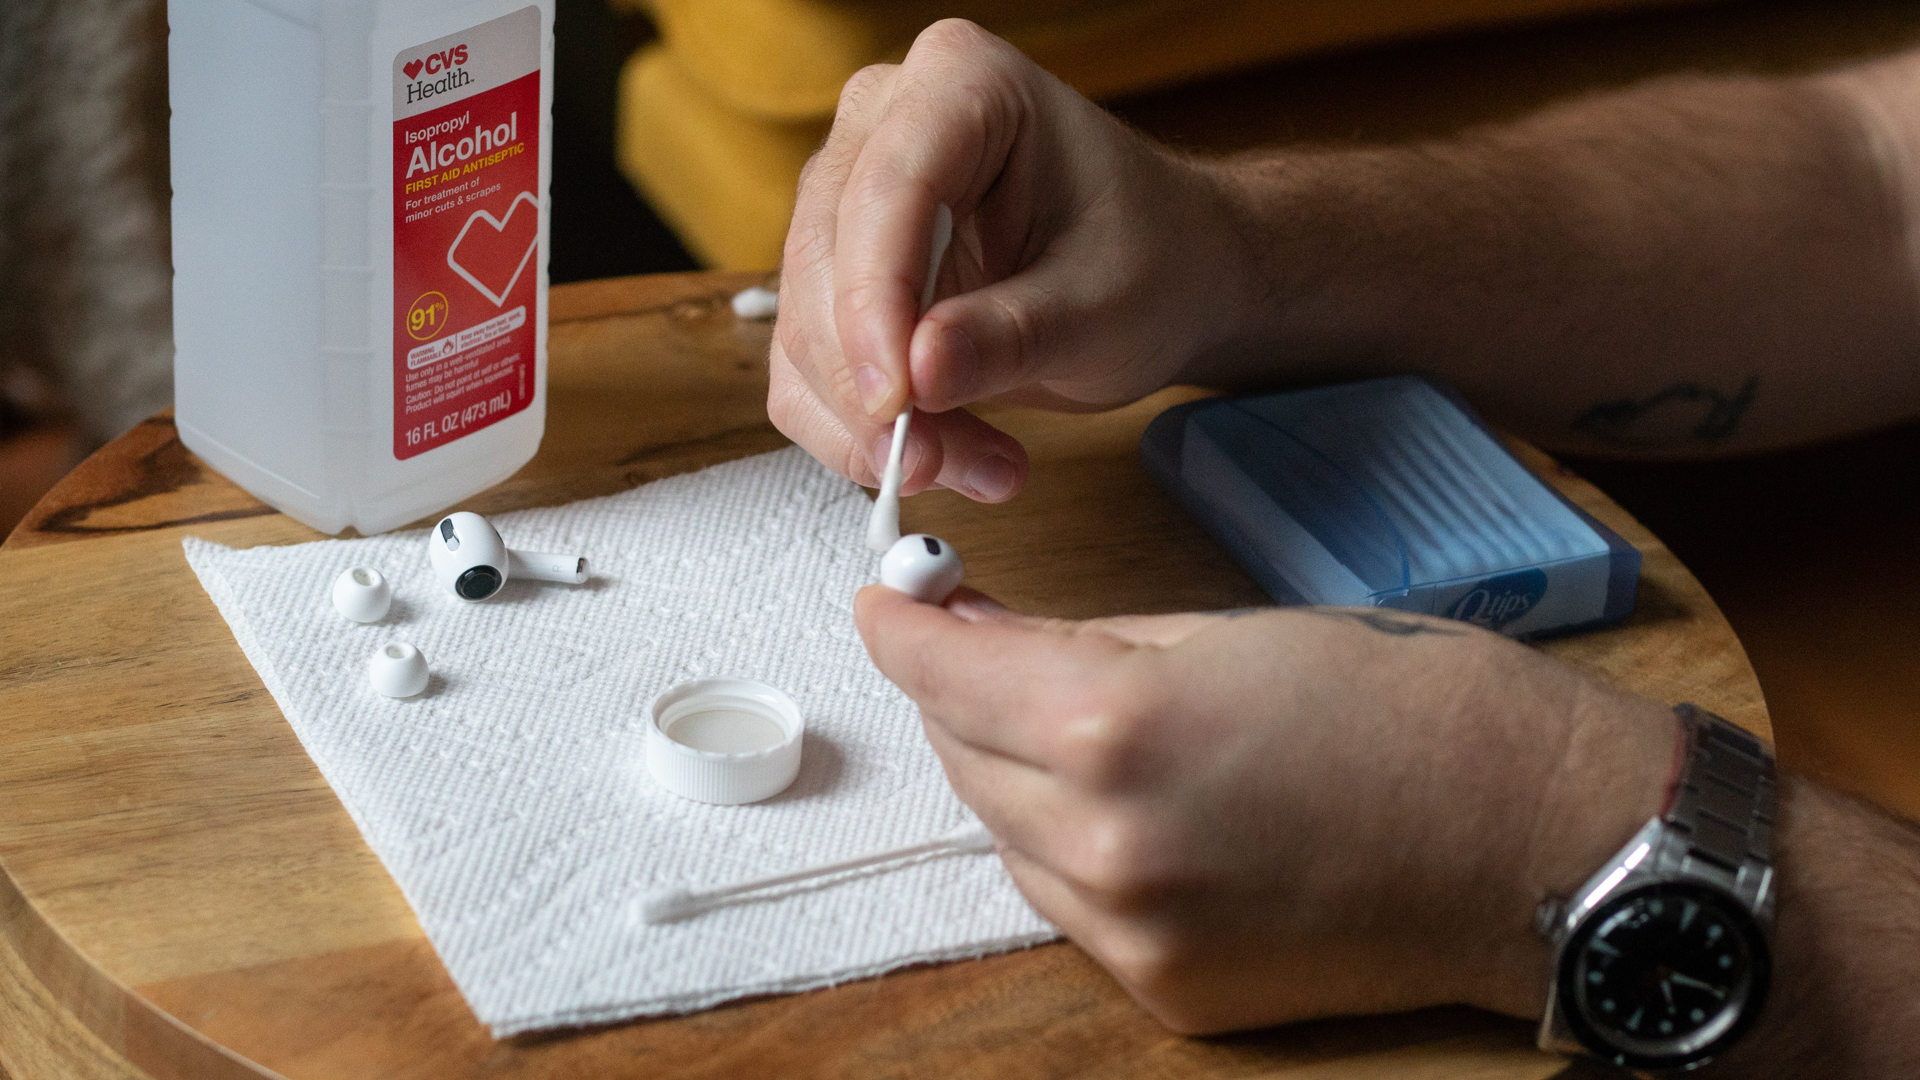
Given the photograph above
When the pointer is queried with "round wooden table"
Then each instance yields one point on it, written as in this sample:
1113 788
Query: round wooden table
183 895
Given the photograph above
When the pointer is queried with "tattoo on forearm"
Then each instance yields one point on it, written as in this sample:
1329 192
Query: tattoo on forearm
1389 622
1684 412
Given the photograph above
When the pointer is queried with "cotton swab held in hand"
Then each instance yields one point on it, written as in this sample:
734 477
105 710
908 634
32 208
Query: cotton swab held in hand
883 525
883 522
668 905
942 236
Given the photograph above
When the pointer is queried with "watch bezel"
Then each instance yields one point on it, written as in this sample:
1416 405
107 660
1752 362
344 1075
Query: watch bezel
1685 1055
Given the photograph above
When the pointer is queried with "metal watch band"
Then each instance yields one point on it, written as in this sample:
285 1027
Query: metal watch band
1722 807
1716 831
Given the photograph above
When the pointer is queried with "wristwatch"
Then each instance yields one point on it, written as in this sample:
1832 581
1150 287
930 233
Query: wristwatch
1661 960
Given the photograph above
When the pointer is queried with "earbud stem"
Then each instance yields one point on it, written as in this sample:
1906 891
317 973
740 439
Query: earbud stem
546 566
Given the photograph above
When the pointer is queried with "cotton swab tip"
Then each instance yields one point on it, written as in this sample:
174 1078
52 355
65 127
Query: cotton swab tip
669 905
883 524
969 840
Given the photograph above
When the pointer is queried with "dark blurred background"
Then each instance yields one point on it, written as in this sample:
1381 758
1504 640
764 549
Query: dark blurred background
600 227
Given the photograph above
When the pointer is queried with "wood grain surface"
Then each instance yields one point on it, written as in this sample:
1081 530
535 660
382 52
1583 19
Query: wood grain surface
183 895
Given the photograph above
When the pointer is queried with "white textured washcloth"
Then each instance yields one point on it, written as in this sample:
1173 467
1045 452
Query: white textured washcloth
511 800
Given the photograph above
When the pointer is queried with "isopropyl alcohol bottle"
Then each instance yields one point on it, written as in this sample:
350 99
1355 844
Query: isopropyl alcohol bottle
360 248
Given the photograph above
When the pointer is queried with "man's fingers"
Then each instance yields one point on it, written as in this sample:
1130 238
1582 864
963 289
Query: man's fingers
1025 688
1032 815
801 415
1030 329
1049 893
956 450
970 678
950 124
1161 631
977 459
805 330
1000 337
1023 804
1115 941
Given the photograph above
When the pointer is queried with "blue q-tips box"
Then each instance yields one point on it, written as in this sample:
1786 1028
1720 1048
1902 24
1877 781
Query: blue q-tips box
1390 493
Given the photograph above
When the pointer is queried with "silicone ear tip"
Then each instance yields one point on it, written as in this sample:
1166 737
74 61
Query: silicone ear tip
362 594
398 670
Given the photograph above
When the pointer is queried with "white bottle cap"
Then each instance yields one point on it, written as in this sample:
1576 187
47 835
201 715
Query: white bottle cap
361 594
724 740
398 670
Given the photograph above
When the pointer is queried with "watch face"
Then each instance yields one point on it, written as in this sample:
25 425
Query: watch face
1664 976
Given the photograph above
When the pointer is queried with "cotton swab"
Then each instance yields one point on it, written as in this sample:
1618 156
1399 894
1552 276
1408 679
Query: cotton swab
942 236
883 524
668 905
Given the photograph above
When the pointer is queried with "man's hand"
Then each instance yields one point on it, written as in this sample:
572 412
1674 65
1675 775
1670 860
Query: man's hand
1691 266
1087 264
1266 817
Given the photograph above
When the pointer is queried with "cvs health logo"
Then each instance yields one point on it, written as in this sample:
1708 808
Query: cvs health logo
435 63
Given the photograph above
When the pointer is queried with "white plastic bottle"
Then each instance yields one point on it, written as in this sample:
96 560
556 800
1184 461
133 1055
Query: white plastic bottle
360 248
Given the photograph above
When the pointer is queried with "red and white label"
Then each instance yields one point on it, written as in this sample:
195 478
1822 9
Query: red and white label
466 230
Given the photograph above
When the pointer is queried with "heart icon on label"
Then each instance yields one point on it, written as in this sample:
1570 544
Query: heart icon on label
497 254
412 68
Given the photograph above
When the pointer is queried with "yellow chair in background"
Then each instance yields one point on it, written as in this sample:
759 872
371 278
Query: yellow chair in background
719 113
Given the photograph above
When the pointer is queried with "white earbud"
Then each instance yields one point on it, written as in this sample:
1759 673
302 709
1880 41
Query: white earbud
362 594
471 561
398 670
924 567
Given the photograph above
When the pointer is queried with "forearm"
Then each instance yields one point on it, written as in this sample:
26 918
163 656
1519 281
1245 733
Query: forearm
1846 987
1689 266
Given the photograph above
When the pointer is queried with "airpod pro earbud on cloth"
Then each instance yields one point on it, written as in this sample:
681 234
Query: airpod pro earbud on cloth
924 567
472 562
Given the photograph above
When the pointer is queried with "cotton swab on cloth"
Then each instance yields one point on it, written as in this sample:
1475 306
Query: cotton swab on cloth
883 526
670 905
